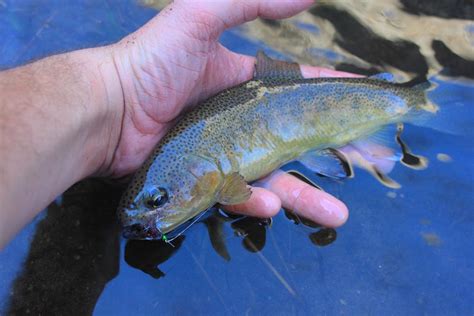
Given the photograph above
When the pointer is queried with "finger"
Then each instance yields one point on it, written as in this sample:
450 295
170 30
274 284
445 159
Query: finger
262 203
246 65
207 19
307 201
316 72
220 15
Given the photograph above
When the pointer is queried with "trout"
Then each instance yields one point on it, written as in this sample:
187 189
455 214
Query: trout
245 132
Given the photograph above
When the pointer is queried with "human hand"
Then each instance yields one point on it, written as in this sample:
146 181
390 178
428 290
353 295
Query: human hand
175 61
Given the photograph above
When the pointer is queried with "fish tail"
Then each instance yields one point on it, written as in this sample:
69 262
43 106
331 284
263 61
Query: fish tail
444 106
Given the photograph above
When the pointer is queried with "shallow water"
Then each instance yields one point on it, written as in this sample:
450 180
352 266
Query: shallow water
406 251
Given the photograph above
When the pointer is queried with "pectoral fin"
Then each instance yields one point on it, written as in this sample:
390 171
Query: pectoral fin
234 191
329 162
266 67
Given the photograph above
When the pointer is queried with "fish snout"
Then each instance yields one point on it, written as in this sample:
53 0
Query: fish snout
141 231
137 225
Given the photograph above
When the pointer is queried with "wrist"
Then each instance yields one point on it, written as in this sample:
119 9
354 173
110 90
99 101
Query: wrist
104 112
62 120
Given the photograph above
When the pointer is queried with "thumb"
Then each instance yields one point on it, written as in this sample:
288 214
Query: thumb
207 19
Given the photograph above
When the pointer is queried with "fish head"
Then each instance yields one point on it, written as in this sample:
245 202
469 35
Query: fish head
168 197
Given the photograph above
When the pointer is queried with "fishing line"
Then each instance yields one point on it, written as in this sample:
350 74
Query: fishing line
168 241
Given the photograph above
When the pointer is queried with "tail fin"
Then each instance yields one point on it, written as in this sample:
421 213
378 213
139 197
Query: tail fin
447 106
419 83
424 86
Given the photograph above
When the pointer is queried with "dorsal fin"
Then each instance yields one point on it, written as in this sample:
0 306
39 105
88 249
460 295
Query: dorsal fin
266 67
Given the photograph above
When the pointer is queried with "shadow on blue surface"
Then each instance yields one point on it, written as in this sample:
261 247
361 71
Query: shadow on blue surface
402 252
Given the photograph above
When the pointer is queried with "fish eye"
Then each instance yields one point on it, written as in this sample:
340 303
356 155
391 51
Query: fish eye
157 198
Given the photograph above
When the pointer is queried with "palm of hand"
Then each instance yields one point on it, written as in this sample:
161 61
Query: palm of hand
158 88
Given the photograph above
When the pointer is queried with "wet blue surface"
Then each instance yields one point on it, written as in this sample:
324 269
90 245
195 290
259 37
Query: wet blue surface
408 254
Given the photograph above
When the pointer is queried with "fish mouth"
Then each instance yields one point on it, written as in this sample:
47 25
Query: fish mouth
142 232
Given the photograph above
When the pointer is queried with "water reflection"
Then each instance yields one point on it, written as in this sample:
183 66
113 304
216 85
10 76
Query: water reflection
322 237
147 255
253 231
215 228
75 250
73 254
453 64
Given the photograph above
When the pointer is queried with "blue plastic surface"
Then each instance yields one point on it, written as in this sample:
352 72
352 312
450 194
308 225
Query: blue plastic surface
401 253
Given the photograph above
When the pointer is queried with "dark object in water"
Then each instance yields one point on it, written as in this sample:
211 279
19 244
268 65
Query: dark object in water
215 228
454 65
74 253
323 237
451 9
408 158
147 255
358 70
362 42
300 220
254 232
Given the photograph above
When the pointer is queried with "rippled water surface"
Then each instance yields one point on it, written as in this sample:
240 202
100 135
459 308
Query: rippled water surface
407 251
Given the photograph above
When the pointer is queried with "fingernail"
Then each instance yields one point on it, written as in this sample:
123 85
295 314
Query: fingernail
334 209
271 204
